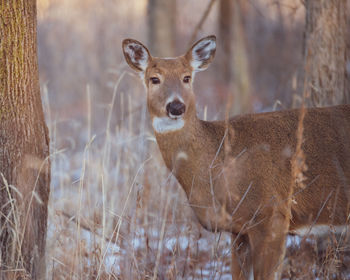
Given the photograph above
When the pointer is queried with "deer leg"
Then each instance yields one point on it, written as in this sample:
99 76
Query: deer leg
241 259
267 241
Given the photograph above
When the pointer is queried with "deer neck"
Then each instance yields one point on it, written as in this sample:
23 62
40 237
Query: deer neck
179 145
187 151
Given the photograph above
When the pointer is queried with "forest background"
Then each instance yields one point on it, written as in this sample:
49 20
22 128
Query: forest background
115 212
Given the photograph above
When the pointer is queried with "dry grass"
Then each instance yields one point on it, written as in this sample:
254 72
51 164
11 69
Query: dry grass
115 211
12 228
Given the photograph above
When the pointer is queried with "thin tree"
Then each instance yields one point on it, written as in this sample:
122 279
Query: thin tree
24 146
325 52
162 27
233 59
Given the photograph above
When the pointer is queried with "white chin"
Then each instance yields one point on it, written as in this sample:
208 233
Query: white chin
168 124
173 117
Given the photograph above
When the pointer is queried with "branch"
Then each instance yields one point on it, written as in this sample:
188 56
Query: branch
202 20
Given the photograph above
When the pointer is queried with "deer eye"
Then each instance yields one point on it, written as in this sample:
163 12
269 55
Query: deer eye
155 80
187 79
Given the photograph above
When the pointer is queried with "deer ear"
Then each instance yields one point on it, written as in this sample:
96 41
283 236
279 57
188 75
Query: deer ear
202 53
136 55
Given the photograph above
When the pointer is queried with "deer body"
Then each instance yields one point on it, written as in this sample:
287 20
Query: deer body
238 174
263 162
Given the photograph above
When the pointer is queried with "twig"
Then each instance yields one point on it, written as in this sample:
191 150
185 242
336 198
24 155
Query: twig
160 243
85 226
202 20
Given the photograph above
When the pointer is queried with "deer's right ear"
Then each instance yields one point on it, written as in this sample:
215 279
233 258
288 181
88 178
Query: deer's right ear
136 55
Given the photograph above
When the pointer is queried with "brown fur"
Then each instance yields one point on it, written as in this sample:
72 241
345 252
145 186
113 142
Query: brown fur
238 174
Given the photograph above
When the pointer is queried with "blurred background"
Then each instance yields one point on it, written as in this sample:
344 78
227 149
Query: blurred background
259 47
115 211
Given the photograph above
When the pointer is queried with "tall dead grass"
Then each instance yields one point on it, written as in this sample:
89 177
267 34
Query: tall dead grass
115 212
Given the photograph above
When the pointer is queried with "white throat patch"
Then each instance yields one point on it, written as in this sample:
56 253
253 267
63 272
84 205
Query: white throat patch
165 124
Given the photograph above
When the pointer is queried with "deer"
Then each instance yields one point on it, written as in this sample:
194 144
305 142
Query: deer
238 173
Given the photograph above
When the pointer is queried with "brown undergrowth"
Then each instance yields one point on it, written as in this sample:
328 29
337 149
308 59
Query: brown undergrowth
117 213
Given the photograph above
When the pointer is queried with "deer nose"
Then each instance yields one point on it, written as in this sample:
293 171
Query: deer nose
175 108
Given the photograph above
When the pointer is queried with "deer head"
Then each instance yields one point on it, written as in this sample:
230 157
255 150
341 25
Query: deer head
170 97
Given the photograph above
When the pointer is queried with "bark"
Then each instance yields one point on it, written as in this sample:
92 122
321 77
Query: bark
161 27
24 146
325 52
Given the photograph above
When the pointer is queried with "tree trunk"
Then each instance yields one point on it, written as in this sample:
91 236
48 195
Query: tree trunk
24 146
325 52
234 61
225 38
161 27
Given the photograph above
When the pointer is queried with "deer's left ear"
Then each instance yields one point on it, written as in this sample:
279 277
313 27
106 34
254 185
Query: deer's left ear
202 53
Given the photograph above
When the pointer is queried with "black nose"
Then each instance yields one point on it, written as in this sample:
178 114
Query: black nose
175 108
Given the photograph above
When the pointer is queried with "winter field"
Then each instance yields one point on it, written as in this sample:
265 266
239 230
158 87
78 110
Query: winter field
115 211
